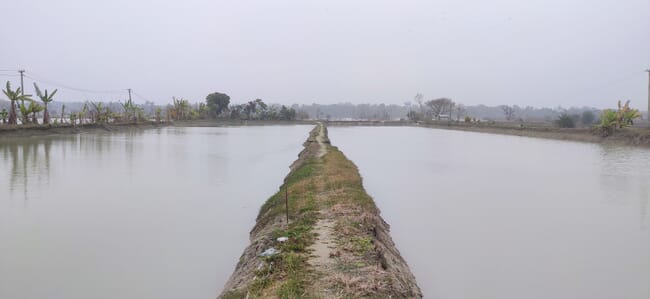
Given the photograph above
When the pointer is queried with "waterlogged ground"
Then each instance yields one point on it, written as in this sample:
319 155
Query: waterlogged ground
161 213
491 216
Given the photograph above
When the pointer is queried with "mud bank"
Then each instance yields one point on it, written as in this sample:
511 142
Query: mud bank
42 130
627 136
337 245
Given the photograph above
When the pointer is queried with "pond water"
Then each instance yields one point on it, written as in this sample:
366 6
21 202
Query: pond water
491 216
162 213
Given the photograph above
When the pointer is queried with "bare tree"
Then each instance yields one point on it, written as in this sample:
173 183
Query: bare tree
440 106
509 112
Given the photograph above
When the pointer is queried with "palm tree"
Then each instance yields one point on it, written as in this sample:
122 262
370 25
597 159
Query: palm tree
45 98
14 96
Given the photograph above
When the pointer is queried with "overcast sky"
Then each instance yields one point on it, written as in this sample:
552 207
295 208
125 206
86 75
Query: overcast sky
534 52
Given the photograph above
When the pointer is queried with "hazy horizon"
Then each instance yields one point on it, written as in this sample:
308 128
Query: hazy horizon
533 53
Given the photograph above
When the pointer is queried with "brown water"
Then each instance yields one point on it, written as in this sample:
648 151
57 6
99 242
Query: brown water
490 216
161 213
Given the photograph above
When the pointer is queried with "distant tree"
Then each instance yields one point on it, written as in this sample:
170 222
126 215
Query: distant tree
587 118
236 111
287 113
413 116
217 103
181 108
565 121
509 112
158 114
202 110
46 99
250 109
302 115
440 106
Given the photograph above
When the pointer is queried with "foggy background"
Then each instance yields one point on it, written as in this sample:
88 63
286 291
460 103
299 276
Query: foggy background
537 53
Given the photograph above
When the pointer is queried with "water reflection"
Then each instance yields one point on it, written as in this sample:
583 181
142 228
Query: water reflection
625 171
138 214
491 216
26 159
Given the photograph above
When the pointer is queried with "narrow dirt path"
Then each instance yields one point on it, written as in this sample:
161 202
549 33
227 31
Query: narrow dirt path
321 251
320 138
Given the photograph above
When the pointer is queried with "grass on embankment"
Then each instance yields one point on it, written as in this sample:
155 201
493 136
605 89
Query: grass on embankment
317 185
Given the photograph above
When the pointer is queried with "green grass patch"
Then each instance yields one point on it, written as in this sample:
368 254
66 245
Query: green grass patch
362 244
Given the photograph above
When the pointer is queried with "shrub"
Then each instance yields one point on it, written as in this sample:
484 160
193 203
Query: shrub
565 121
587 118
611 120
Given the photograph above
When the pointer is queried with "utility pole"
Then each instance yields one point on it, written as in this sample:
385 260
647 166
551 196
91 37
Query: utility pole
22 86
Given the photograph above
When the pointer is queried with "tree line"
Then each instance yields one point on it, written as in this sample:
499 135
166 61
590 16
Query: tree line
24 109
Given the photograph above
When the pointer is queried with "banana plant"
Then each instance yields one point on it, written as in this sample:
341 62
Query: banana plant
182 107
62 114
25 110
100 114
14 96
46 99
3 115
33 109
627 115
82 114
610 120
129 110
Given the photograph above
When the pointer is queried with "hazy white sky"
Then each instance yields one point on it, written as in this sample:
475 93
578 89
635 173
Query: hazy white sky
534 52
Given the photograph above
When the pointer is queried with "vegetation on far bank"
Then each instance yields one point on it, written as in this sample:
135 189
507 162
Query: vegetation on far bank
216 106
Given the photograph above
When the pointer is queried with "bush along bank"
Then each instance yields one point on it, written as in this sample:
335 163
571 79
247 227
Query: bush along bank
335 245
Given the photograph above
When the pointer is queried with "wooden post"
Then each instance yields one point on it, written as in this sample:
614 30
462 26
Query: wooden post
286 203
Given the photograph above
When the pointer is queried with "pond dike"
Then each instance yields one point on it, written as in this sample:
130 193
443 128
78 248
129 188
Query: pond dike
335 245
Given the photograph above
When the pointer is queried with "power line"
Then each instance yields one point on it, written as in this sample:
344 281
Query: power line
139 96
37 77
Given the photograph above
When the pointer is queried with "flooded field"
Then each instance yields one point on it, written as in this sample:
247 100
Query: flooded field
490 216
161 213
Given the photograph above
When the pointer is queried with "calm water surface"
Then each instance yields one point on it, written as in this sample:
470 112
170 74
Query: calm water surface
490 216
160 213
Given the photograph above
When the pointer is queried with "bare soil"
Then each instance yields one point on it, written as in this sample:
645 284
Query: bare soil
338 247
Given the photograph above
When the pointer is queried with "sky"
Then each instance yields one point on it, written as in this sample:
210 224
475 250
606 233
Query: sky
542 53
